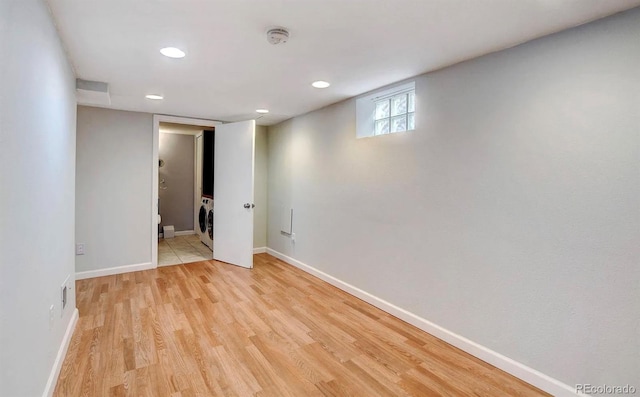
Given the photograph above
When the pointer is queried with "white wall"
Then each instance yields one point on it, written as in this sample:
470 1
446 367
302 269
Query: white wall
113 195
37 182
260 189
510 215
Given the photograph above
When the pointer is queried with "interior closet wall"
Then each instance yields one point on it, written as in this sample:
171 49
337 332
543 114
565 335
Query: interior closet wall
176 192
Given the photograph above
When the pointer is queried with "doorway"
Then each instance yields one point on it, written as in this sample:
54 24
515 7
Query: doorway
188 241
181 169
234 172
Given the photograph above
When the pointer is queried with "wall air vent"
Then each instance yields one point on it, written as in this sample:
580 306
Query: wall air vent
92 92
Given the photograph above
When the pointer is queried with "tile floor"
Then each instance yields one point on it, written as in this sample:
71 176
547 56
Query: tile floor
182 249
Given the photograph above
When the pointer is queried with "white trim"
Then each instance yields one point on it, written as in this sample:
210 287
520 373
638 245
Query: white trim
62 353
155 141
115 270
197 190
519 370
157 119
260 250
177 132
186 120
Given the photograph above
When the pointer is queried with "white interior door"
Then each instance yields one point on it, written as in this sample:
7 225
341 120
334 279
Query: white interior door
233 193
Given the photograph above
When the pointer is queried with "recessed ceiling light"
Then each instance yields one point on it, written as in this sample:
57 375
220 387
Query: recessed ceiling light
172 52
263 111
320 84
154 97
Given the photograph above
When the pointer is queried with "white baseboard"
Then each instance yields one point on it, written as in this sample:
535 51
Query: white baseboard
260 250
521 371
114 270
180 233
62 353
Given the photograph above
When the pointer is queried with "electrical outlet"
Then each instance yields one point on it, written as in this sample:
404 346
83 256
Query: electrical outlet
80 249
51 318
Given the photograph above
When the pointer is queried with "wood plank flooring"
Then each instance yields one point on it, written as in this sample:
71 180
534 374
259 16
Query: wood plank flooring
212 329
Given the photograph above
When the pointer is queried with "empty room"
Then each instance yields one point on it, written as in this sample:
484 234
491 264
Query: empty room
319 198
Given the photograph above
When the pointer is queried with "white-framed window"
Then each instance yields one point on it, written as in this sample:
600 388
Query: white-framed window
386 111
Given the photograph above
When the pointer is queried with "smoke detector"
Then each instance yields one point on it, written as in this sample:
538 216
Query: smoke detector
277 36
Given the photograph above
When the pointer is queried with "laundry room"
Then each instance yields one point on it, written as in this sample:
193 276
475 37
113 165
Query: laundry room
185 193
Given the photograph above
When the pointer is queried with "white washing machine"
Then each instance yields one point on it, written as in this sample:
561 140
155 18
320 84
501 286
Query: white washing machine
203 214
207 238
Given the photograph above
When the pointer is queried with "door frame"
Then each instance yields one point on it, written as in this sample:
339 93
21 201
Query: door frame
197 196
157 119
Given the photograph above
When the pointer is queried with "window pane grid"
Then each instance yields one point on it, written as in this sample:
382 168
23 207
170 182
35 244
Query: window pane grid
395 113
382 127
399 105
382 109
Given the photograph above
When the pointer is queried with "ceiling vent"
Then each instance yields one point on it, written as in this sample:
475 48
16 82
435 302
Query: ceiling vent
92 92
277 36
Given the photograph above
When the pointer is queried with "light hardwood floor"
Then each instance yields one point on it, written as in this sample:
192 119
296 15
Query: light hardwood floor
212 329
